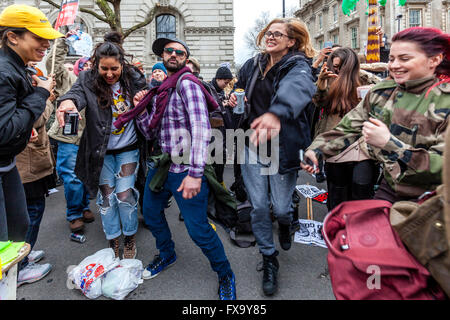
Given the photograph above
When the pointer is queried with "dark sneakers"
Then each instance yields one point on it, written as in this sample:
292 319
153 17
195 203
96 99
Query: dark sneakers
227 287
284 236
270 268
157 265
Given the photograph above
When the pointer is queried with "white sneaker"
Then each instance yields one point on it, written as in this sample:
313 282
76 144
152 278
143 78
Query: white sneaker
35 256
33 272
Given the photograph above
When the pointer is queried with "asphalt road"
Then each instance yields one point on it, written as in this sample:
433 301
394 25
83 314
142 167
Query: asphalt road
303 273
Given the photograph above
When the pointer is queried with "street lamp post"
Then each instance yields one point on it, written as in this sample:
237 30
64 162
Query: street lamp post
284 8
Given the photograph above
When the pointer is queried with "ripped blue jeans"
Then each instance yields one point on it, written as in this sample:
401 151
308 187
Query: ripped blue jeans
117 198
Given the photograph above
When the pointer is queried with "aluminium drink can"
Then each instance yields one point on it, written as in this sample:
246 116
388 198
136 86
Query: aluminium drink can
78 237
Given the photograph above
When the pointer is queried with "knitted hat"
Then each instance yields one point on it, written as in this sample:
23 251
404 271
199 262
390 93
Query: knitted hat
224 73
159 66
79 64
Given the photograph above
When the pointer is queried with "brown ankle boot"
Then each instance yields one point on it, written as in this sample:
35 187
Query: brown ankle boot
129 247
76 225
114 244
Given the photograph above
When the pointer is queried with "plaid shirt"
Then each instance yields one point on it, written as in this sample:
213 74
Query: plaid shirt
185 129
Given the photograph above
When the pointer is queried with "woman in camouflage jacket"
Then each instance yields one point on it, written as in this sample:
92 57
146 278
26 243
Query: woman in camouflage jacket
403 120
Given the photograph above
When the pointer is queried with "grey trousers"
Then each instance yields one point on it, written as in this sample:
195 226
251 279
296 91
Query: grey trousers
264 190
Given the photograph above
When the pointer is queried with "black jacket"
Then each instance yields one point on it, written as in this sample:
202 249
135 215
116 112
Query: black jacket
291 101
21 105
95 138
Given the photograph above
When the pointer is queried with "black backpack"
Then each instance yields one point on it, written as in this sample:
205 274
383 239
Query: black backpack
242 234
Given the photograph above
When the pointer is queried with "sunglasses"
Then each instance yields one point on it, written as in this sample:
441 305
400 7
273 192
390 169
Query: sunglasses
170 51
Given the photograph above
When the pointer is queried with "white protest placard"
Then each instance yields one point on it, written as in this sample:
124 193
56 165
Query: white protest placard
309 191
310 233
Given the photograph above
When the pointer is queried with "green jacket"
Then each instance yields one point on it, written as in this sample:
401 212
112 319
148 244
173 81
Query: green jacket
163 162
413 157
64 82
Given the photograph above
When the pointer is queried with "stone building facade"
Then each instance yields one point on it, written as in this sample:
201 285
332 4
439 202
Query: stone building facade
327 22
207 26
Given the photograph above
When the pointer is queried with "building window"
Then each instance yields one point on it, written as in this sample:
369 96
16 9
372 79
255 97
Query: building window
166 26
335 39
320 44
415 18
335 13
354 33
448 21
320 21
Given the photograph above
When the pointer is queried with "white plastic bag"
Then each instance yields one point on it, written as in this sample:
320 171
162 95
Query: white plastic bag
118 283
88 274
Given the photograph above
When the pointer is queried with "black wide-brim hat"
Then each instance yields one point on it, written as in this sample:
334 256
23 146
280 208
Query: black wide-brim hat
160 43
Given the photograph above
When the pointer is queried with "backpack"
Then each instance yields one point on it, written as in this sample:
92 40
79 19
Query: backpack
242 234
367 259
217 117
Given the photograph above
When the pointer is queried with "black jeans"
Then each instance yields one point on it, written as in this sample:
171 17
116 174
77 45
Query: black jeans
36 208
14 218
350 181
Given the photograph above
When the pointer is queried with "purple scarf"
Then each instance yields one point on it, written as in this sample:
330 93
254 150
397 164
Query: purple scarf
162 100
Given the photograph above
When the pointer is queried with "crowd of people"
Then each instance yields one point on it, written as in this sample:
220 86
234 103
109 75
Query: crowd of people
385 141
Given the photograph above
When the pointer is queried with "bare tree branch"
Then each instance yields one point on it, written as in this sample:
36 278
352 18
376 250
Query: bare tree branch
112 15
108 12
99 17
149 19
252 34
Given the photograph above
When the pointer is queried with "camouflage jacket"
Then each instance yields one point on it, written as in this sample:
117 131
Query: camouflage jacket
413 156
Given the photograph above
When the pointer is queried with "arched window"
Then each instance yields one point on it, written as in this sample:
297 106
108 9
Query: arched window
166 26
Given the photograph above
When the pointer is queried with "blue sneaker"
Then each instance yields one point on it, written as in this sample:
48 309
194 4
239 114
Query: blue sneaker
157 265
227 287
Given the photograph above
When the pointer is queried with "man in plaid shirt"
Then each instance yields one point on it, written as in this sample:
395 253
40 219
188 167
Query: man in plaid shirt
184 129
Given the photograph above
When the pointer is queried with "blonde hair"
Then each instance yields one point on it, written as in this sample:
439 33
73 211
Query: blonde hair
230 86
296 29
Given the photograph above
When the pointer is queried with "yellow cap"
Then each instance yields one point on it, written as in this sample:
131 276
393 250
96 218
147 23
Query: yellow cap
32 19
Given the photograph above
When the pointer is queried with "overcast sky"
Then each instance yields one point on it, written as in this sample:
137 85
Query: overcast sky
245 14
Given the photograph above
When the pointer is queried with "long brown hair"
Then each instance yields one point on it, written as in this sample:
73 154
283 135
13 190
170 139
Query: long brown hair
342 95
297 30
112 47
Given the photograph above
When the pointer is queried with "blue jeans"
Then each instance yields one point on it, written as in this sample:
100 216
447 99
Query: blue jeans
117 198
36 208
265 190
14 218
195 218
77 197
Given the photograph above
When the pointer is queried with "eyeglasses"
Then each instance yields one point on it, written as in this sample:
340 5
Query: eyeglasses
170 51
276 35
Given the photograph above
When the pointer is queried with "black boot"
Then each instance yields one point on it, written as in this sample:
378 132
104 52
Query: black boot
270 268
284 236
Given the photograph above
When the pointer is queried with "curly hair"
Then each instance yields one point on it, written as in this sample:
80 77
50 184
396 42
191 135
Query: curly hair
111 48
